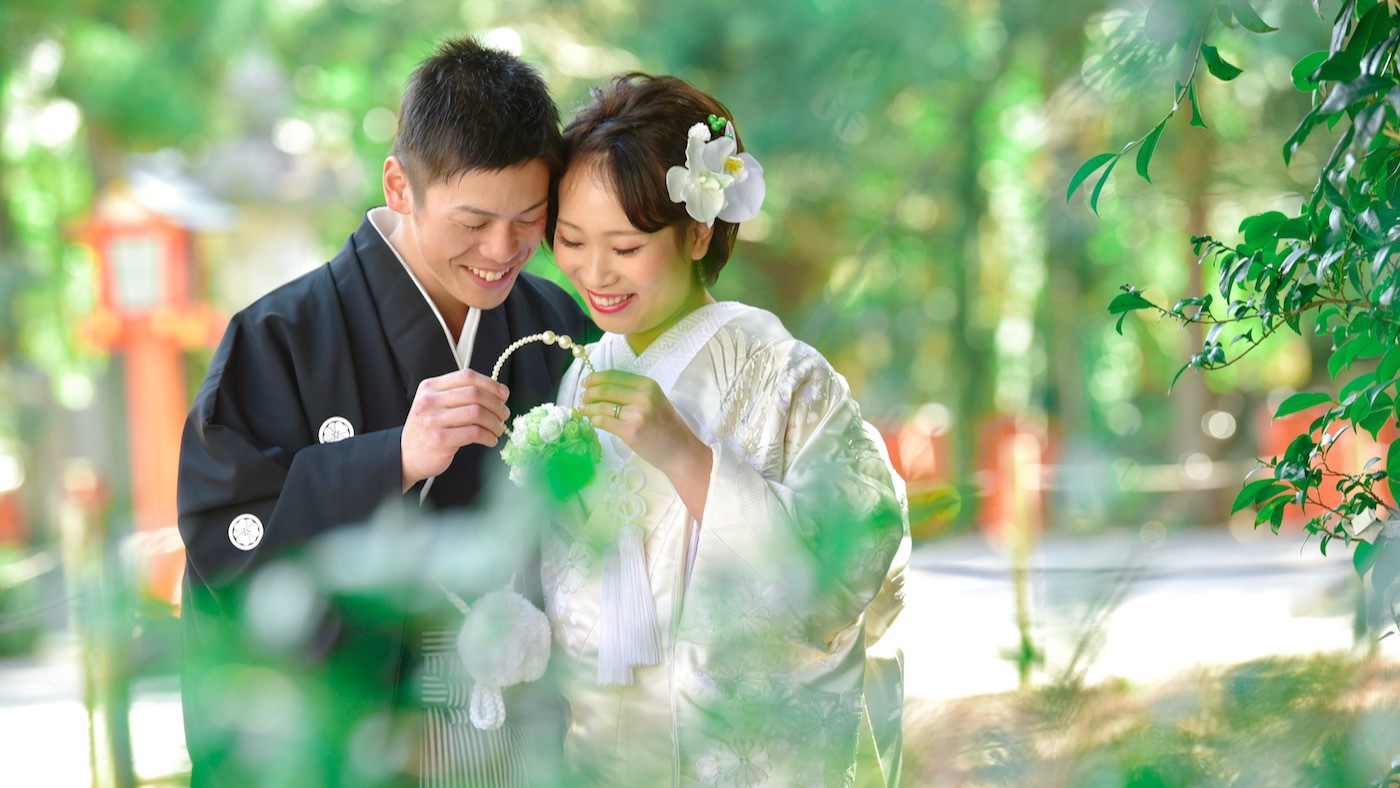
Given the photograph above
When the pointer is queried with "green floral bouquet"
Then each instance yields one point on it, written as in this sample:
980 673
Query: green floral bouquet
551 445
555 447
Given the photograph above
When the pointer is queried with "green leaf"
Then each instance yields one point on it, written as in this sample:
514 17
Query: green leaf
1260 230
1196 119
1304 68
1377 419
1272 512
1356 385
1357 91
1389 365
1301 401
1256 491
1362 557
1098 187
1086 169
1345 64
1392 469
1342 357
1300 134
1149 145
1127 302
1219 66
1177 377
1360 408
1248 18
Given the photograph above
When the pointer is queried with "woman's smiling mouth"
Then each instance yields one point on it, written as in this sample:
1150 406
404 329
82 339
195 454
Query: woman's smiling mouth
608 304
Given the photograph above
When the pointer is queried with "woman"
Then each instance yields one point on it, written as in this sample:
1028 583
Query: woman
715 600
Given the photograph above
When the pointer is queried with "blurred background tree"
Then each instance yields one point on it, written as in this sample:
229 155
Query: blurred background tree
917 156
913 231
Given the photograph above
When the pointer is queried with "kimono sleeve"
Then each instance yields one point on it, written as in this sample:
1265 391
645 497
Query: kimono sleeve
802 517
253 479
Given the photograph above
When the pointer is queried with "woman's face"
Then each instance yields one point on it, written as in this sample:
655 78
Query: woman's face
637 284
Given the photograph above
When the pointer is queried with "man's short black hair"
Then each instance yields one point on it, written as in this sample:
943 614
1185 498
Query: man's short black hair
468 107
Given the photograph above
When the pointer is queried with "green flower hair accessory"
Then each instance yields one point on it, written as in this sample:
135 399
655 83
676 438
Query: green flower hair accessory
715 183
720 125
551 445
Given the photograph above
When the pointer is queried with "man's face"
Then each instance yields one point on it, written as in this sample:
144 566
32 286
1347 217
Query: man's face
467 238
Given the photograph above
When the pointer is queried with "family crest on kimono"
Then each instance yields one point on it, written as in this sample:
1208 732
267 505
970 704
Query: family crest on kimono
363 382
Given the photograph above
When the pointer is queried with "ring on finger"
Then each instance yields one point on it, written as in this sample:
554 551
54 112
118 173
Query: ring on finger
617 411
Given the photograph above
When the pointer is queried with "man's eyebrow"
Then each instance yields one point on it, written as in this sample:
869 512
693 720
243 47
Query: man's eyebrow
492 215
573 226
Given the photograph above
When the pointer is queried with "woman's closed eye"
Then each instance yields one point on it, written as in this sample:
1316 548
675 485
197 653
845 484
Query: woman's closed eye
567 244
627 252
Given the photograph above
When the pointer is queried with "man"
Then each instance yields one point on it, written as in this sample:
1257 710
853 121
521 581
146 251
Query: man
361 382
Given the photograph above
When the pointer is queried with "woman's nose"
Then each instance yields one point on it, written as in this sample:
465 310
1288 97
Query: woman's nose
595 268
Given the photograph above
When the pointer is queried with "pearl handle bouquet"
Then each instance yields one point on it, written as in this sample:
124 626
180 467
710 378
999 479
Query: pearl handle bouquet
550 445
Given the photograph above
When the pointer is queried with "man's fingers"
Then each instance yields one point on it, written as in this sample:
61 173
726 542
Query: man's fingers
471 397
467 378
457 437
466 416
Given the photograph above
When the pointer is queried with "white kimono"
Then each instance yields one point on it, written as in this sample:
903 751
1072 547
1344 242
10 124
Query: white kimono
768 611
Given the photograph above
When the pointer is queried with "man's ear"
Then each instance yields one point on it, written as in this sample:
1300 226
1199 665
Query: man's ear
700 235
398 195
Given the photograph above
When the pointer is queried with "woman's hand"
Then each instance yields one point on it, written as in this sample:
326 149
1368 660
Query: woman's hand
634 408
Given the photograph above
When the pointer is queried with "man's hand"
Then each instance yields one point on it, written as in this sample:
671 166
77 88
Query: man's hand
449 412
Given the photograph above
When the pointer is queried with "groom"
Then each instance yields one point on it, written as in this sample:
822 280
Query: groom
360 383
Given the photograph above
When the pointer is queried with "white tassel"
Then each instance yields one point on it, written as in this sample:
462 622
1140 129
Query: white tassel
641 645
628 635
613 670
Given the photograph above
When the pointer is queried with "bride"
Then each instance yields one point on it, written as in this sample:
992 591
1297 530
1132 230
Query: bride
720 596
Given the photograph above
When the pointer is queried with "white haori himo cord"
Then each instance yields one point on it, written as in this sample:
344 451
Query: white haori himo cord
504 641
628 636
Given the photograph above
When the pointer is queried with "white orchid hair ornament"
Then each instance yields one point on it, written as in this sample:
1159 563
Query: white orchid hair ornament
716 182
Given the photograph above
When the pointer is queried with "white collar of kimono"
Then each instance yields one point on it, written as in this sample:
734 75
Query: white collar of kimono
669 354
386 221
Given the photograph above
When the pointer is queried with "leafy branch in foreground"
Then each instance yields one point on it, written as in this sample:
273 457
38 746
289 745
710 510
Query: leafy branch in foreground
1191 37
1338 258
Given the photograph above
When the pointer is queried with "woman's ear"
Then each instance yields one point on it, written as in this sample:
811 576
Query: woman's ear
700 235
398 195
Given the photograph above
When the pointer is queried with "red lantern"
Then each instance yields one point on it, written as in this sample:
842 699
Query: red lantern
150 310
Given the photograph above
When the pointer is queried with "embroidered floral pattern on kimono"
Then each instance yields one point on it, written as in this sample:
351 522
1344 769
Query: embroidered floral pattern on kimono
761 600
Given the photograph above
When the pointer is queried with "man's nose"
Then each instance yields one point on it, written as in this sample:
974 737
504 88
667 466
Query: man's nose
501 244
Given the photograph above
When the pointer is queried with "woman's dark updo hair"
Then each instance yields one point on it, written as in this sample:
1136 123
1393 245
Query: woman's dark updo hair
633 132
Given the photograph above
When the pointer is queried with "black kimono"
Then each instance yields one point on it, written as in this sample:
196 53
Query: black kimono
296 432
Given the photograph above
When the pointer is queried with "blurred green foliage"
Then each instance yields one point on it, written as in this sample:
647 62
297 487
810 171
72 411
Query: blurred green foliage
916 153
21 608
1300 721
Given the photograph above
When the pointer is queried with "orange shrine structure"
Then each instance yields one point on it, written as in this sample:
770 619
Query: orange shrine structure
151 309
